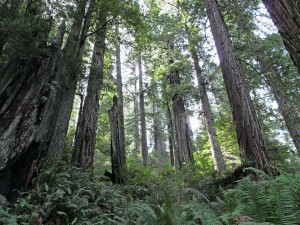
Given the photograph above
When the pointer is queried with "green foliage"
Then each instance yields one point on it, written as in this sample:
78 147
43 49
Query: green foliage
273 200
65 195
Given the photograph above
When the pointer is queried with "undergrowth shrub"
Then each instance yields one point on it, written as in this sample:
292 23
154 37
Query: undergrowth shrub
269 201
66 195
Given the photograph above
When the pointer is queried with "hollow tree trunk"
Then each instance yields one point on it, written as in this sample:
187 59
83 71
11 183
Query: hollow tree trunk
143 115
286 17
73 53
30 101
183 139
215 149
120 97
250 139
85 138
116 151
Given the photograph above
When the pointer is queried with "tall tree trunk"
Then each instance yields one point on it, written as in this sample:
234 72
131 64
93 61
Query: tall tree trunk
116 151
250 139
71 69
136 122
159 144
183 139
171 145
286 17
120 97
85 138
215 149
30 101
143 115
288 110
174 151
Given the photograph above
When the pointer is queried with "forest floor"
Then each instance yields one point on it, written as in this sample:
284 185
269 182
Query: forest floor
65 195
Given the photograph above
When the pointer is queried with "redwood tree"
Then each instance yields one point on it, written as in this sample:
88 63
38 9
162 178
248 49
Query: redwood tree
31 98
286 17
143 115
250 139
218 159
182 135
85 138
71 70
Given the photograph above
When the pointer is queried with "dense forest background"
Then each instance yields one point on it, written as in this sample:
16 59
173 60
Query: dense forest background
149 112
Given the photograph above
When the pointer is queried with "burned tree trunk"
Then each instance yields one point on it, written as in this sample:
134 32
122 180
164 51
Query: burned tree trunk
30 102
117 165
250 139
286 17
28 112
85 138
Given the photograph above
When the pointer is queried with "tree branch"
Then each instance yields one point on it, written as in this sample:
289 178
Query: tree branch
90 34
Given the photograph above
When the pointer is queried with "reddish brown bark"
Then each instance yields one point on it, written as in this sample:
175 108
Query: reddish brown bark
286 17
85 138
143 115
250 139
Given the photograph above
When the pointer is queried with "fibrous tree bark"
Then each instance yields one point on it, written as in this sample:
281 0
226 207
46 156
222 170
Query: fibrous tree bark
85 138
116 151
120 97
30 96
250 139
174 153
143 115
74 53
159 144
288 109
183 139
286 17
136 121
215 149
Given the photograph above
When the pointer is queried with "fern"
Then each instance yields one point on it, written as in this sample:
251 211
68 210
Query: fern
202 213
272 201
253 200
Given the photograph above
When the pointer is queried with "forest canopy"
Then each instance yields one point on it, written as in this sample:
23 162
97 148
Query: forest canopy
149 112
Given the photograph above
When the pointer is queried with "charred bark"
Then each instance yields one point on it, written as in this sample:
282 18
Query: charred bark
27 117
286 17
250 139
32 96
